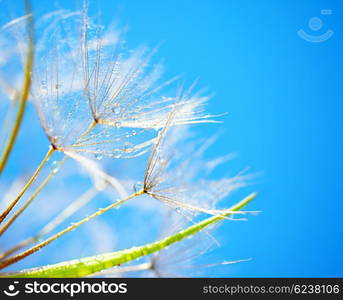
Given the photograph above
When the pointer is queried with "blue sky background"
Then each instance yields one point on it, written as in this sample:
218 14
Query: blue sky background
284 98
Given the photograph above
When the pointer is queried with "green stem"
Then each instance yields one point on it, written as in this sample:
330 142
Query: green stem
90 265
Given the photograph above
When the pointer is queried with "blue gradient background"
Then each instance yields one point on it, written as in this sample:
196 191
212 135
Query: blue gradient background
284 98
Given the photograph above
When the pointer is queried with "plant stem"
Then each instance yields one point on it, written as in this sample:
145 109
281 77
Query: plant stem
46 158
34 195
56 221
19 246
4 214
22 255
24 94
90 265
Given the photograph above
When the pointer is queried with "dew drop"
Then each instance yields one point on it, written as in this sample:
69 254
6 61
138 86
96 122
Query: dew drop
138 186
117 124
116 110
127 147
98 156
43 86
54 165
162 161
55 138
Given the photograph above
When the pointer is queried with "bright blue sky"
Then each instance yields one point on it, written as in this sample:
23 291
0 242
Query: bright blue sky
284 98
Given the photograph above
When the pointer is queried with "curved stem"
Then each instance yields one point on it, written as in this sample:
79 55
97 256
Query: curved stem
18 247
34 195
24 94
93 264
4 214
73 207
22 255
32 179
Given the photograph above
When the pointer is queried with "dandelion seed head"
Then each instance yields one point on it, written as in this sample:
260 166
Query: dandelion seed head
94 97
172 176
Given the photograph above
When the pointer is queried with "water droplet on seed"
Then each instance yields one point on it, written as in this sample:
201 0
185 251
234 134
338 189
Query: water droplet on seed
54 165
127 147
115 110
98 156
138 186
